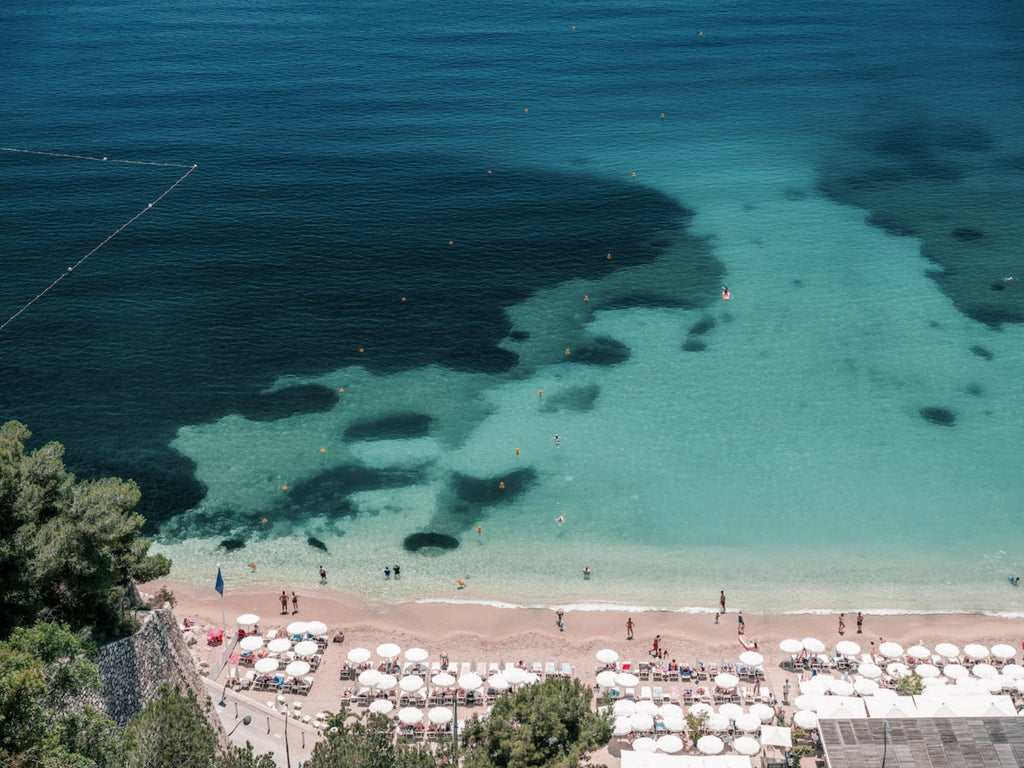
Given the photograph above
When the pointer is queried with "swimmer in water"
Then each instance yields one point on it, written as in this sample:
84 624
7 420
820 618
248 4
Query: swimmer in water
725 292
561 520
557 440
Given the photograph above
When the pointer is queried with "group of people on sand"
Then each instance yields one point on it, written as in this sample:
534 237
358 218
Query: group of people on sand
284 602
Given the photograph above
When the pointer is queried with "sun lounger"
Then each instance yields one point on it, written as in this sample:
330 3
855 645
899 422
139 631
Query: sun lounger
673 695
658 695
566 669
537 668
549 669
645 693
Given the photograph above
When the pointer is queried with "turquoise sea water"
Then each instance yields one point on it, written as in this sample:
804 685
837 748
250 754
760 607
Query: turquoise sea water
853 172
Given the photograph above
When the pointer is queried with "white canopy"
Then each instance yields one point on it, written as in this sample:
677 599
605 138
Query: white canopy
776 736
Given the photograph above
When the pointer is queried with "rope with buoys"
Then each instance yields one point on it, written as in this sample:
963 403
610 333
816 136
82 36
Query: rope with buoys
112 235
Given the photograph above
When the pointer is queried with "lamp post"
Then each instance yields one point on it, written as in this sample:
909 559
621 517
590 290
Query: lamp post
244 721
886 730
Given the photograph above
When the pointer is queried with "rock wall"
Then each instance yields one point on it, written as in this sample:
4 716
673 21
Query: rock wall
133 668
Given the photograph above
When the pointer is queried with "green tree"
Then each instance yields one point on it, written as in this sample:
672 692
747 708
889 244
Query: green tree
67 547
369 744
910 685
170 732
549 724
243 757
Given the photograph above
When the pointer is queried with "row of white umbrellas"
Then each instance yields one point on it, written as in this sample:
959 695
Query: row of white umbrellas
388 651
639 716
315 628
708 745
372 678
293 669
609 679
750 658
892 650
278 645
412 715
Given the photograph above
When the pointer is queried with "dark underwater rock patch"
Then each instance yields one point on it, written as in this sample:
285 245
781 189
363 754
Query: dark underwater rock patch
230 545
975 389
600 351
940 416
576 399
980 351
998 287
290 401
702 326
394 426
315 543
519 335
967 234
417 541
694 345
472 493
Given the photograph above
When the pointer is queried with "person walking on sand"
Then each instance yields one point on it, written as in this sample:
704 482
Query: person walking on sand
842 624
721 601
561 624
860 623
740 623
295 603
629 628
785 692
656 646
284 601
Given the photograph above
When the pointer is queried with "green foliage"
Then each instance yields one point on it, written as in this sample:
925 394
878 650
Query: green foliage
358 744
243 757
549 724
67 547
801 751
695 724
171 732
911 685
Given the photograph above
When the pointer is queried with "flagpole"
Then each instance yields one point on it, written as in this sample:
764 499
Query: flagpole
223 620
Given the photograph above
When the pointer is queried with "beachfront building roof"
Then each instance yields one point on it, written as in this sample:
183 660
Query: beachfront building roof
924 742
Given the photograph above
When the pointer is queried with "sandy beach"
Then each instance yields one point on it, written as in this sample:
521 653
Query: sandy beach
482 634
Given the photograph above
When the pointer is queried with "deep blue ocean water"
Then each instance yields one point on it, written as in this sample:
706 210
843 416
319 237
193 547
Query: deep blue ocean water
854 171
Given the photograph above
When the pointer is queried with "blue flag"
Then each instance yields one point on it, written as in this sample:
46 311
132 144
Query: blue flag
219 586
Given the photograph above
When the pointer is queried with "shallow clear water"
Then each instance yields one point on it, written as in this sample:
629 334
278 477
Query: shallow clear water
482 162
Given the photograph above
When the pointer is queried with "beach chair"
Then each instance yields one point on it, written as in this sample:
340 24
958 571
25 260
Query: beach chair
549 669
689 697
614 694
629 693
658 695
565 670
673 696
643 670
465 669
645 693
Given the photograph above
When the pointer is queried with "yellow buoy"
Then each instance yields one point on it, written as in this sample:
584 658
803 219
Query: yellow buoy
540 393
451 242
253 566
361 350
460 582
634 174
264 521
479 529
488 171
526 110
341 389
609 257
403 299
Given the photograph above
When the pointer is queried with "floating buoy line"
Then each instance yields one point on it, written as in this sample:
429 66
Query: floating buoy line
187 170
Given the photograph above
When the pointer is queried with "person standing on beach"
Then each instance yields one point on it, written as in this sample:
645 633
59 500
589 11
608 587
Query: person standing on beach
721 601
785 691
860 623
629 628
284 601
295 603
740 623
842 624
656 647
561 624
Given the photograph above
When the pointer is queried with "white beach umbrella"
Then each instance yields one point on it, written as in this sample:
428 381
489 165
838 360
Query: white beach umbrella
701 706
297 669
971 685
805 719
885 693
918 652
667 711
1019 685
498 682
870 671
947 650
369 678
606 678
316 628
996 684
730 710
748 723
848 647
515 675
984 671
955 671
670 744
717 722
674 724
416 655
266 665
530 678
751 658
763 712
607 656
816 686
747 746
470 681
726 680
358 655
641 723
934 684
624 707
1003 651
410 715
840 687
621 726
443 680
247 619
927 670
976 651
1013 671
439 715
388 651
865 687
813 645
381 706
806 701
898 669
710 745
279 645
305 648
627 680
647 707
297 628
645 744
387 682
250 643
891 650
411 683
790 645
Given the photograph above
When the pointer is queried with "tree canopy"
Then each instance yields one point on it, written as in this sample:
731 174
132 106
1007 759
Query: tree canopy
547 725
67 546
369 744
